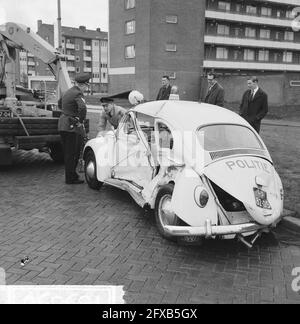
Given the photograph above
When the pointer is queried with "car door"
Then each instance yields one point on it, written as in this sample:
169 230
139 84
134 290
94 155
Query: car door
132 156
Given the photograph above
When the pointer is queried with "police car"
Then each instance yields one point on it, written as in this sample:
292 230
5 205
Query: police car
203 169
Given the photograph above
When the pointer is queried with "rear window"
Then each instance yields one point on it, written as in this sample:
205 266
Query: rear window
228 137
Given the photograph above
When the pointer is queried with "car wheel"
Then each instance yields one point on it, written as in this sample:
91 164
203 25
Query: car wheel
165 216
56 152
90 171
163 213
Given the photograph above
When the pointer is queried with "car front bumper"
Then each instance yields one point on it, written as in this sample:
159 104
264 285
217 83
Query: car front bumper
210 230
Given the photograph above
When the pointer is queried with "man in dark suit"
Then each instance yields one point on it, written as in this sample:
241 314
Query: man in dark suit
215 93
254 106
70 126
165 90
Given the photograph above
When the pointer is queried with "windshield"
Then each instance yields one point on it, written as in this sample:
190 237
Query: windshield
228 137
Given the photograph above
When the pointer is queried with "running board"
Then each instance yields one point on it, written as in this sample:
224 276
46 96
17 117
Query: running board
135 193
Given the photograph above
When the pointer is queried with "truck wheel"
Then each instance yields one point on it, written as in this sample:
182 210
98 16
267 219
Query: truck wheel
90 171
56 152
163 214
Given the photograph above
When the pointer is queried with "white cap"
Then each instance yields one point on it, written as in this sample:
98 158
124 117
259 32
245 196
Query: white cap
135 97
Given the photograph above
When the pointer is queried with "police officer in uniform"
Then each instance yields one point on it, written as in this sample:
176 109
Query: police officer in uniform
111 114
74 112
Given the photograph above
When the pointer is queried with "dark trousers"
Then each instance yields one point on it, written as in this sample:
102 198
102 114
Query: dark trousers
256 126
72 143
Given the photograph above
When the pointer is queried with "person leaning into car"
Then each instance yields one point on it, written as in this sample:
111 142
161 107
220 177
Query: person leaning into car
111 114
254 106
74 112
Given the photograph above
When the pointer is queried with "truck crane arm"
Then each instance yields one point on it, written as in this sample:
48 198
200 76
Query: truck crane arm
16 36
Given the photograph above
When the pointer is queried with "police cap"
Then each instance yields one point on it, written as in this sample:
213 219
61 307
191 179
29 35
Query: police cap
106 100
83 78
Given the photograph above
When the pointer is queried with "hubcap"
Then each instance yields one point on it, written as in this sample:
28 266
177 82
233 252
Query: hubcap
166 214
90 170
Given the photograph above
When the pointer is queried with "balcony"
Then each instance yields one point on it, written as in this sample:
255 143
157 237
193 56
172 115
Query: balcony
70 46
87 69
250 42
31 63
238 65
286 2
71 68
87 58
30 55
247 18
87 47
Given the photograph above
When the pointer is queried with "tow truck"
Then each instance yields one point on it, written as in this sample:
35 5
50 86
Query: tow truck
26 126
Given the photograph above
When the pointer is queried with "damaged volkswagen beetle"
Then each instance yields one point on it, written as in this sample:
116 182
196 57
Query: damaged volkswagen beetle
203 169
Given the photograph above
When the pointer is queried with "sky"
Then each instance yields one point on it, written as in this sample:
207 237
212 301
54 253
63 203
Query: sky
90 13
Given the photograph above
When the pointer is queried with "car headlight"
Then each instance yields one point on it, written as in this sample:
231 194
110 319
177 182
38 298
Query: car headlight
201 197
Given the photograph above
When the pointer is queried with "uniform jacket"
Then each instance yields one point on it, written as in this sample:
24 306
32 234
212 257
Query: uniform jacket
164 93
215 96
113 118
254 109
73 110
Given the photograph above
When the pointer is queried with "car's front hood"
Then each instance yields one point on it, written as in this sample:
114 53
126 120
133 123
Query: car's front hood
248 178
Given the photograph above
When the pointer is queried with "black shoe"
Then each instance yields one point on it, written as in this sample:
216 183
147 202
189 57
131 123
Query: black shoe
77 181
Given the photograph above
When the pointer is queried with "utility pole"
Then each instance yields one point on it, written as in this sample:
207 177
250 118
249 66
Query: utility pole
59 26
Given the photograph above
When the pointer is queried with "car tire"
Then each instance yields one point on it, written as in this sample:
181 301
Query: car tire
163 198
90 171
56 152
165 193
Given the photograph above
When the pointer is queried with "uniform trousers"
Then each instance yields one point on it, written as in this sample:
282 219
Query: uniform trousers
72 143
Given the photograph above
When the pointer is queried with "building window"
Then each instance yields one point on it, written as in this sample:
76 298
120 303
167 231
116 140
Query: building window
236 32
290 14
129 4
223 30
249 55
278 13
263 55
77 47
78 70
236 55
295 83
222 53
266 11
172 19
238 8
172 75
289 36
265 33
288 57
96 43
222 5
130 27
251 10
171 47
130 51
277 57
250 32
77 59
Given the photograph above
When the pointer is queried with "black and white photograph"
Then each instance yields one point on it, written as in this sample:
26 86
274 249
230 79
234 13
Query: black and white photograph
149 154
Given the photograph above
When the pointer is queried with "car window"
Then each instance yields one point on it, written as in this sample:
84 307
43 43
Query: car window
166 140
146 123
227 137
127 126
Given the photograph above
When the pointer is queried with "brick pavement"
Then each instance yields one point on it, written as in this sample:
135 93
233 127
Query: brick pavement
77 236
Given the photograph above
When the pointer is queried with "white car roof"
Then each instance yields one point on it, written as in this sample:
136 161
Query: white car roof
188 115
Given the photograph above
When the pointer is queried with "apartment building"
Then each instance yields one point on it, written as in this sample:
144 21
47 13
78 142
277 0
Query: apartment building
186 39
86 51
